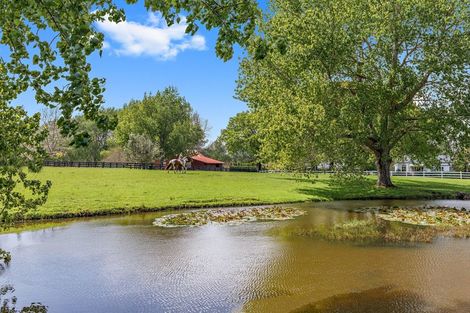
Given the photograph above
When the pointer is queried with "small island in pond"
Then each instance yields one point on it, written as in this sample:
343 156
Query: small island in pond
228 216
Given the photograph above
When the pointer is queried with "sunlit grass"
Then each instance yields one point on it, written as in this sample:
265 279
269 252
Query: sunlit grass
88 191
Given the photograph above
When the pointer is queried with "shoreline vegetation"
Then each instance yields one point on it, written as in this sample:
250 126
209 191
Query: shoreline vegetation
84 192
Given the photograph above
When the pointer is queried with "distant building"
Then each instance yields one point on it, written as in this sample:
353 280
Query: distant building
201 162
408 165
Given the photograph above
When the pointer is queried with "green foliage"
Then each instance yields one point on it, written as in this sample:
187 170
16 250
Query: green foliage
20 147
165 118
240 137
355 80
140 148
48 42
5 257
97 139
217 150
235 19
461 160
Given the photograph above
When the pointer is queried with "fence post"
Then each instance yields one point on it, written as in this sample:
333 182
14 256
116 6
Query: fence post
442 174
461 177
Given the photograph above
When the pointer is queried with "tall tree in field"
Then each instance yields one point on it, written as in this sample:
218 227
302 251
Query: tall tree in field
140 148
240 137
165 118
55 143
352 78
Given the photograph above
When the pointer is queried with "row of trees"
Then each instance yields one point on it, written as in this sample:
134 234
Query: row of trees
157 127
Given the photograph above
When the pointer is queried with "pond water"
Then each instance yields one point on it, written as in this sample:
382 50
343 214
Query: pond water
125 264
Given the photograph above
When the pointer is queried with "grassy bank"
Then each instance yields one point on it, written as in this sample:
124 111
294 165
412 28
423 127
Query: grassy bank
87 192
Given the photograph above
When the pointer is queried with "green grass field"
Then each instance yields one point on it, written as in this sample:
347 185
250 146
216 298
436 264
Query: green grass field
88 191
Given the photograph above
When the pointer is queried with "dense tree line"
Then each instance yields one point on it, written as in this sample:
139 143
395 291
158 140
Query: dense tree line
157 127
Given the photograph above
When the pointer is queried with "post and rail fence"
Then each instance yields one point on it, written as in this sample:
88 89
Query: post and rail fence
156 166
133 165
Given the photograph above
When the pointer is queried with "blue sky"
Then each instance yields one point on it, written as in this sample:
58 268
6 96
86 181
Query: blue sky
144 55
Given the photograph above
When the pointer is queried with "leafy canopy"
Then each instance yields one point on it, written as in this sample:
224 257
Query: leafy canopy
351 79
165 118
240 137
47 44
140 148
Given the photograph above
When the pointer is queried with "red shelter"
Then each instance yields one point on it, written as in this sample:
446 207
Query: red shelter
201 162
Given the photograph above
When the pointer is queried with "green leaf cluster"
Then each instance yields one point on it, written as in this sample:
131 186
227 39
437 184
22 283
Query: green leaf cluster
240 137
165 118
20 150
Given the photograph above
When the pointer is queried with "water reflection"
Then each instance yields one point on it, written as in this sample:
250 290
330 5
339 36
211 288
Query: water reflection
377 300
8 302
124 264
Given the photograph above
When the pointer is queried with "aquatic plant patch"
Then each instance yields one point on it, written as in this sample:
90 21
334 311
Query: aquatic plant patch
436 216
228 216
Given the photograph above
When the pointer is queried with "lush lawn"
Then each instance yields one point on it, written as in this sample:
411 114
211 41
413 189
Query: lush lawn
80 191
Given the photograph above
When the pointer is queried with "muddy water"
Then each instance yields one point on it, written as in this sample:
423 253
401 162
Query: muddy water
124 264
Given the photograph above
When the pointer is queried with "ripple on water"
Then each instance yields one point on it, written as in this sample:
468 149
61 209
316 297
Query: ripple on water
120 265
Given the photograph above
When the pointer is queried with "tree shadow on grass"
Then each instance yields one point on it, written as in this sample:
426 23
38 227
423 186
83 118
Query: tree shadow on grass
385 299
330 189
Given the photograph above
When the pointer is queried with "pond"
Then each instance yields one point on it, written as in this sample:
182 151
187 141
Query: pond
125 264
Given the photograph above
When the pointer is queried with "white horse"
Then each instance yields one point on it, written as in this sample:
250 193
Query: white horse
179 164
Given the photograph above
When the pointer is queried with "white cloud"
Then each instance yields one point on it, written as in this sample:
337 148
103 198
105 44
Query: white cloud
154 38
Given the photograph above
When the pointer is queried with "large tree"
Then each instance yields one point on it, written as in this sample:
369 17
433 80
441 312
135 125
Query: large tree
140 148
350 78
165 118
241 138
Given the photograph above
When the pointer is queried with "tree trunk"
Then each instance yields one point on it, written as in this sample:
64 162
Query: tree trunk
383 161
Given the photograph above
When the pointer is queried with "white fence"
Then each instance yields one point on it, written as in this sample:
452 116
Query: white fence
436 174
